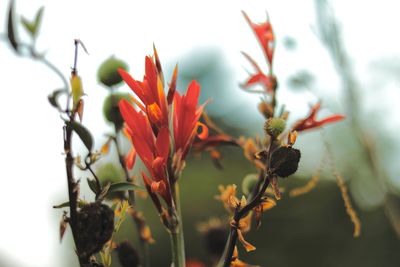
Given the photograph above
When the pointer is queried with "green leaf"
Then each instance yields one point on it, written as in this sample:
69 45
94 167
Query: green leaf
33 27
93 186
82 132
124 186
104 192
62 205
81 203
54 96
11 27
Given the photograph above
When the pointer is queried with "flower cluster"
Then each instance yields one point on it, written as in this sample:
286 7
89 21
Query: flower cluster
149 127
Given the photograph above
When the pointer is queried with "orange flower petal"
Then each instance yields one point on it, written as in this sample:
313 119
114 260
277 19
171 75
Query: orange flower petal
204 131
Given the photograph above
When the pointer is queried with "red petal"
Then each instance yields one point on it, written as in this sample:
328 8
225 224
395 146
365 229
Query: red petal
162 143
172 86
331 119
132 83
192 94
130 158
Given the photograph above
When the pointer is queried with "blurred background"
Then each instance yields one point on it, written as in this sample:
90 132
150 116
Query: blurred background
342 53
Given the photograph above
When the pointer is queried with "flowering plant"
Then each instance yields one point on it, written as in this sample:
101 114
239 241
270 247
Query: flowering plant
162 127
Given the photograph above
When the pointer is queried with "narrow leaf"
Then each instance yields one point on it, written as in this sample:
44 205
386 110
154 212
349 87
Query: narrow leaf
62 205
104 192
29 27
93 186
81 203
11 27
38 20
124 186
82 132
33 26
54 96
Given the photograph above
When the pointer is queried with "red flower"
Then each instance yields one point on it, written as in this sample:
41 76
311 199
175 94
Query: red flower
186 119
150 93
153 150
311 123
268 82
265 36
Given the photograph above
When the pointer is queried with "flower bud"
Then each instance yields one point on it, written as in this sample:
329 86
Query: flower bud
127 255
107 73
274 126
111 110
266 109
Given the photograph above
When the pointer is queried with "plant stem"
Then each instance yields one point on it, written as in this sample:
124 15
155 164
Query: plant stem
121 159
132 201
239 214
177 236
73 194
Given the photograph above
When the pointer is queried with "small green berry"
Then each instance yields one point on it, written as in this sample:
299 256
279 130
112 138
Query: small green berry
274 126
111 109
107 73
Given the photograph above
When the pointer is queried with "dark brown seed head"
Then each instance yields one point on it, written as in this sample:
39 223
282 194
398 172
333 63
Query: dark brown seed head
127 255
284 161
95 223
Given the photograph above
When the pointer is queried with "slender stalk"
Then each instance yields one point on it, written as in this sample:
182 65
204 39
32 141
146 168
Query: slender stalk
177 236
132 201
239 214
121 160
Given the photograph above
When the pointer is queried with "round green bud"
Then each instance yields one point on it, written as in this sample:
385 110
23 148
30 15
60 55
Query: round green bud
274 126
248 183
107 74
111 110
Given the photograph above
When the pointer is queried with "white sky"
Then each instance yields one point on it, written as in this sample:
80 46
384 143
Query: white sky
31 137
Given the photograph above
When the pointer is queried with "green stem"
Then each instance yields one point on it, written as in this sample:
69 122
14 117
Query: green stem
177 237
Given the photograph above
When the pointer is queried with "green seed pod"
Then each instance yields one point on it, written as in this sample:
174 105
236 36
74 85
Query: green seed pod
274 126
107 73
284 161
248 183
111 110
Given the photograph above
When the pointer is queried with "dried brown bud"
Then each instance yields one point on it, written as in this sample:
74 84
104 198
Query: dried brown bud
95 225
266 109
127 255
